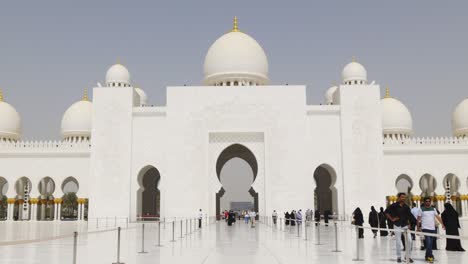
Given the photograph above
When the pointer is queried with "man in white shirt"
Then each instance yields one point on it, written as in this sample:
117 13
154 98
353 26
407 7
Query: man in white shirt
426 223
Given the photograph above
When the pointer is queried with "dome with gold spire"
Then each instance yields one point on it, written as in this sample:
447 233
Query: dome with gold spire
236 59
10 121
76 121
396 118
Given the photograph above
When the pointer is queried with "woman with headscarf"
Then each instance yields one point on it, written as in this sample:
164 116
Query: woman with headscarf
359 221
231 218
286 218
317 217
382 222
450 220
292 215
374 220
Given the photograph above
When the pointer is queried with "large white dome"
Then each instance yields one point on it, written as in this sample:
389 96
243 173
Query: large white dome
117 76
142 95
396 118
236 59
460 119
77 120
354 73
10 121
330 94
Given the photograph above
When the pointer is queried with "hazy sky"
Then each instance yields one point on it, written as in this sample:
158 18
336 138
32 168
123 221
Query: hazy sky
51 50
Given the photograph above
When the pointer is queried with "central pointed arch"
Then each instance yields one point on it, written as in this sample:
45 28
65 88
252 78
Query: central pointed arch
149 195
231 152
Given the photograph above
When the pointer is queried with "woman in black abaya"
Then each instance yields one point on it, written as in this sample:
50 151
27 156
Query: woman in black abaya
286 218
450 220
374 220
292 215
359 221
383 222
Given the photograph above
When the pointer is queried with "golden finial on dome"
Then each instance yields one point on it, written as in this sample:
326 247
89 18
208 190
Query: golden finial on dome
1 95
387 93
85 95
353 59
235 28
118 60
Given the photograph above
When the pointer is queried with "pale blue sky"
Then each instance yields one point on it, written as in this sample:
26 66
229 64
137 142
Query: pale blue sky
51 50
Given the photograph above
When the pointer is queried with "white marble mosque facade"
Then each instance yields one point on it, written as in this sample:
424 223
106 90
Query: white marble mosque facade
362 143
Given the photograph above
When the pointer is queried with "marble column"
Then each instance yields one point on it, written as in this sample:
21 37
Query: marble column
79 210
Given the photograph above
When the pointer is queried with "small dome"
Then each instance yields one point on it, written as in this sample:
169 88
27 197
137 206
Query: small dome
77 120
396 118
460 119
354 73
143 96
236 59
10 121
329 95
118 76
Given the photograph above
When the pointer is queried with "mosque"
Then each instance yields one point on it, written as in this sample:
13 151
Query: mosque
122 157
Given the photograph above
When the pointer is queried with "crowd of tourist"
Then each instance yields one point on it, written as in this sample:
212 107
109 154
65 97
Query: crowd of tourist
397 218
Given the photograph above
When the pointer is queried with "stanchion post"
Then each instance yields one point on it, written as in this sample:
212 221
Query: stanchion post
318 233
357 245
186 227
159 234
143 239
173 231
164 219
298 228
75 241
336 238
118 247
190 225
181 232
97 223
305 229
281 224
115 221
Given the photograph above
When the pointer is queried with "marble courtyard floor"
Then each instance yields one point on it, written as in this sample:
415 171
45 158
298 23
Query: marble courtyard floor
216 243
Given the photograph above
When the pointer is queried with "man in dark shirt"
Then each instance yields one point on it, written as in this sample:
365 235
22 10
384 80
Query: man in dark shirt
400 214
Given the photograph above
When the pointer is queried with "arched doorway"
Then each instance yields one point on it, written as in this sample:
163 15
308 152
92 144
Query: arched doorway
46 206
428 185
149 196
325 194
69 210
22 208
248 165
404 184
451 187
3 199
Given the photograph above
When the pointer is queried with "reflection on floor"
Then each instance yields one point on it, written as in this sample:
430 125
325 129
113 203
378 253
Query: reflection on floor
216 243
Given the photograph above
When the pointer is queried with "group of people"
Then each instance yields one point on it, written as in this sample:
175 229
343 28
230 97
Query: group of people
249 216
292 218
399 218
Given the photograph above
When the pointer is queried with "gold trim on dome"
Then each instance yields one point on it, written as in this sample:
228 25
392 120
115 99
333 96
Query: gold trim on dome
235 27
353 59
1 95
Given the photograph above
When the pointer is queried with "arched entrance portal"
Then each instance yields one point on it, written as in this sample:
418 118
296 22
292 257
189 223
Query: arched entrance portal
149 196
325 192
69 209
46 208
404 184
22 207
3 199
231 153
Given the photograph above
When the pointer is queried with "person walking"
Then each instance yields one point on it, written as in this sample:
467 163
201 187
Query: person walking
400 215
247 217
426 222
358 220
317 217
299 217
274 215
286 218
382 223
292 216
452 224
374 220
200 218
253 214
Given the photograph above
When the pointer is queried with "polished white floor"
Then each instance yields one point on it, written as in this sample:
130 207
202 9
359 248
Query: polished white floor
216 243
